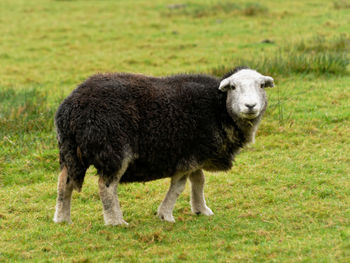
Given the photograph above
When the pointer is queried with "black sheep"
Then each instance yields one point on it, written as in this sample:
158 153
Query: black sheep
135 128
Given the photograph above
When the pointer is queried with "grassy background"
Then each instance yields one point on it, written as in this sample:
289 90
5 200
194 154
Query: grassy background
287 199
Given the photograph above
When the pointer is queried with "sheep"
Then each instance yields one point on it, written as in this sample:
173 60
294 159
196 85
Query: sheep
136 128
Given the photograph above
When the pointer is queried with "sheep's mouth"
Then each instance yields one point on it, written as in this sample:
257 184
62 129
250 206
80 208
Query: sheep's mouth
249 115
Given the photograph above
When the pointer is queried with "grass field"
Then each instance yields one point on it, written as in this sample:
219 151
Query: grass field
287 199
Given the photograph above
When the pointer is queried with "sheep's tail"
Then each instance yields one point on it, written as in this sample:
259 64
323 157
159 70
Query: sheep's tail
70 156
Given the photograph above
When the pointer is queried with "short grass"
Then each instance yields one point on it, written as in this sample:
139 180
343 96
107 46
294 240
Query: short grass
287 199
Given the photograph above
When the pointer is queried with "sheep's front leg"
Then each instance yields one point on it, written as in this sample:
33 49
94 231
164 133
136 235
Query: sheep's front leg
64 196
111 209
198 204
165 210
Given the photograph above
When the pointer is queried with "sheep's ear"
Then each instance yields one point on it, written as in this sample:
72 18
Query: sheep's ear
224 85
269 82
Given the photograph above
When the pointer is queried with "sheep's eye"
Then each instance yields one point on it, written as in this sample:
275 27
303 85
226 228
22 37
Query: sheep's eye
233 87
262 85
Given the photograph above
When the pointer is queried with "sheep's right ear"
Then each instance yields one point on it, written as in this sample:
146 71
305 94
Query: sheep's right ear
224 85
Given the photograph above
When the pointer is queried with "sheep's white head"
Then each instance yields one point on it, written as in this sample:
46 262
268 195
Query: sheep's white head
246 98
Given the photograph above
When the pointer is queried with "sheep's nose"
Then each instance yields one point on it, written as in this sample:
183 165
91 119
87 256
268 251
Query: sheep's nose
250 106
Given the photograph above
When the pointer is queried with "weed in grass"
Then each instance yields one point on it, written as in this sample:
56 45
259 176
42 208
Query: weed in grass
196 10
320 43
148 238
253 9
341 4
318 56
288 63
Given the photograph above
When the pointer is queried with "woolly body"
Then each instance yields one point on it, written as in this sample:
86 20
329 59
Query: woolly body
167 125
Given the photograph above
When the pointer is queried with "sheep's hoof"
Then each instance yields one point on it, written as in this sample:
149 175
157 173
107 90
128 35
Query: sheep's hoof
62 220
165 217
120 222
204 211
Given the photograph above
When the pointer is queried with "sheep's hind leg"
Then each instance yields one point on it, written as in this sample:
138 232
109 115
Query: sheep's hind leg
112 213
165 210
198 204
64 196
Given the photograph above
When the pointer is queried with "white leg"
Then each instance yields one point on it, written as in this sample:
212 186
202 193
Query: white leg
112 213
198 204
64 196
165 210
111 209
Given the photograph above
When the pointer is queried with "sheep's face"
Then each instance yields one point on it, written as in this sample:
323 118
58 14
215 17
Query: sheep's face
246 98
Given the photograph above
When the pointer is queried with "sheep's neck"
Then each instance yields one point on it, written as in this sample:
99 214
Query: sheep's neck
240 131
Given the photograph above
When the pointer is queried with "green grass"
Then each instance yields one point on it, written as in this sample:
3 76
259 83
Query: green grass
287 198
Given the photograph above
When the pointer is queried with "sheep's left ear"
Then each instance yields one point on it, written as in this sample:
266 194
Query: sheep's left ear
224 85
269 81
